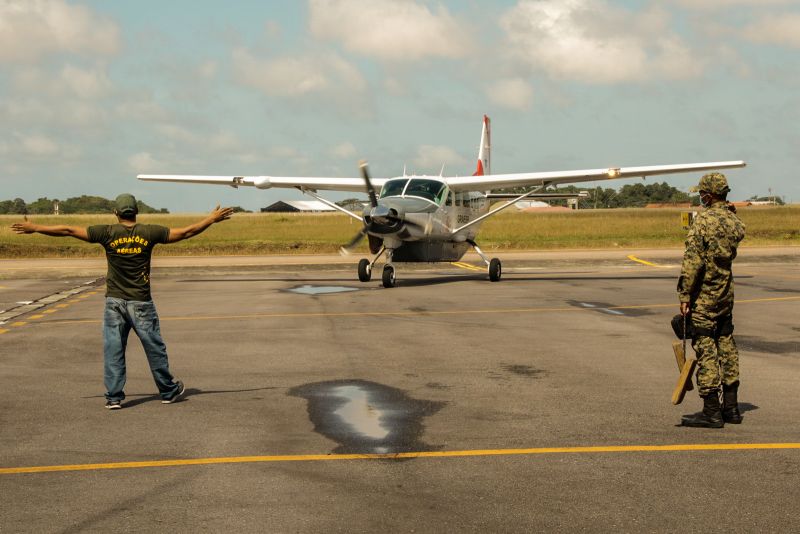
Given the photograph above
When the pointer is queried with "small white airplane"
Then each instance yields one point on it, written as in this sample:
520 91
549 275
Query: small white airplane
434 218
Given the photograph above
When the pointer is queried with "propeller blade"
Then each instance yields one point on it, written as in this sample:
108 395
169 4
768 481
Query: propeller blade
345 250
373 199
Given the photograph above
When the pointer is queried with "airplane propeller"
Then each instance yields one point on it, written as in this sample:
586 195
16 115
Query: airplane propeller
378 214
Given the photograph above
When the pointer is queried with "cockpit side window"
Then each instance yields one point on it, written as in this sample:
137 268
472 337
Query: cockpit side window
393 188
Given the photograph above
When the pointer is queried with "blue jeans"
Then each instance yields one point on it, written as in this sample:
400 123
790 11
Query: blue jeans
118 319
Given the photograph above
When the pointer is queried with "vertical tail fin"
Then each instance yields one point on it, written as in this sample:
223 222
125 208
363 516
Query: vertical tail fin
485 151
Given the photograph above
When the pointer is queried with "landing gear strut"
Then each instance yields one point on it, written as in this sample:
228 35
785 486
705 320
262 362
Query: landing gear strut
365 268
495 268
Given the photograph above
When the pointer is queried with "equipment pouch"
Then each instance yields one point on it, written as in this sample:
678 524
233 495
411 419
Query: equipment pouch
677 327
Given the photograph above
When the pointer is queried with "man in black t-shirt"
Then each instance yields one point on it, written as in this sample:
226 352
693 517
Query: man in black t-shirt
129 305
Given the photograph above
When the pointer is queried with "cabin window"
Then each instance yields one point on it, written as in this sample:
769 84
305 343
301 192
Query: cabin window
449 201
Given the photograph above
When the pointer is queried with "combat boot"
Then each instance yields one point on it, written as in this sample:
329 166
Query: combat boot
730 405
710 417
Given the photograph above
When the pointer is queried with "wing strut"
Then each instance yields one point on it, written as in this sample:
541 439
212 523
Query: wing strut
501 208
329 203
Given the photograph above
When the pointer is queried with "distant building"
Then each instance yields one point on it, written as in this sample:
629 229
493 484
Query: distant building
297 206
528 204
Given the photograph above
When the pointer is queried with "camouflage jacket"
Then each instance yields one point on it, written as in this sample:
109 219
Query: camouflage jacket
706 279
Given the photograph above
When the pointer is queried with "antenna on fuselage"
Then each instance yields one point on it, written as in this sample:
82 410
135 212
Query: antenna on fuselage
441 173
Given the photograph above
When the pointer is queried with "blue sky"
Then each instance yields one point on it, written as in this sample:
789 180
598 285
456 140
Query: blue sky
94 92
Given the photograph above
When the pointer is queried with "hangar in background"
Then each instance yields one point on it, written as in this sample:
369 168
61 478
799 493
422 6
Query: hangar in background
297 206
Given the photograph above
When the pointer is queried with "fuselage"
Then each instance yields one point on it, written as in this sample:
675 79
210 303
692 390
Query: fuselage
425 212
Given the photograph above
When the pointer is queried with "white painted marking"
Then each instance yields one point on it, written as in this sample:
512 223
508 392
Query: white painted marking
25 302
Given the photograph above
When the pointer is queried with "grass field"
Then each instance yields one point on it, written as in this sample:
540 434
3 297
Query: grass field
259 234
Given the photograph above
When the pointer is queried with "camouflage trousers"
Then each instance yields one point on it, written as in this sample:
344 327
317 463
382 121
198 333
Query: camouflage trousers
717 356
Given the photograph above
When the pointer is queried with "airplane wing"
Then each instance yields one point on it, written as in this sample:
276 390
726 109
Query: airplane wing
266 182
532 179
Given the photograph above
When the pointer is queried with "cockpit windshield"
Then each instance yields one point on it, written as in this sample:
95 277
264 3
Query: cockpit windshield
393 188
431 189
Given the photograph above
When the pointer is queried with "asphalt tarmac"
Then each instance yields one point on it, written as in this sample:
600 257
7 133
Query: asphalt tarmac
316 403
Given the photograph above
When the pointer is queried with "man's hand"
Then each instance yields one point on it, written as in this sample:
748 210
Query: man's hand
221 214
25 227
684 308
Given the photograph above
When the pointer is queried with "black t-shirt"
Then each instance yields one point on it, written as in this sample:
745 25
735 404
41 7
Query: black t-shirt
128 251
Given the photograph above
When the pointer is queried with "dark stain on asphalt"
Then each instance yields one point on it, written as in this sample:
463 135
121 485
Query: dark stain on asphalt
366 417
523 370
757 344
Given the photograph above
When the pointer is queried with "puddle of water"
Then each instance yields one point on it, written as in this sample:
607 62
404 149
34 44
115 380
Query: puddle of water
321 290
366 417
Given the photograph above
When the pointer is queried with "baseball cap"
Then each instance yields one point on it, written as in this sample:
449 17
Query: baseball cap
713 182
126 204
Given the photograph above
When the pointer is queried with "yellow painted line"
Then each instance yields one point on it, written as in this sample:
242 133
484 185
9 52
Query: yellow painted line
37 316
403 455
3 330
467 266
50 311
634 258
19 323
62 305
416 313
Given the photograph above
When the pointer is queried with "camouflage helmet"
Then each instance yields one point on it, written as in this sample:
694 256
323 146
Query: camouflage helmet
713 182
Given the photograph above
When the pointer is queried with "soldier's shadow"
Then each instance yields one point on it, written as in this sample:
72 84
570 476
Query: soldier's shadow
747 407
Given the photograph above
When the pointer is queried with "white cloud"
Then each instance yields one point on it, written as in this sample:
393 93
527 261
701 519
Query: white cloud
30 29
511 93
595 42
36 147
297 76
144 162
783 30
344 150
392 30
710 5
430 159
89 84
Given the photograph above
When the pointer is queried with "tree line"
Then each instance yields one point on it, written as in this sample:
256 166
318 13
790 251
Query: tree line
81 204
636 195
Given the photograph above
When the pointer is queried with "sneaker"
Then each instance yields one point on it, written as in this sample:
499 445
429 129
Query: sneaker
113 405
178 395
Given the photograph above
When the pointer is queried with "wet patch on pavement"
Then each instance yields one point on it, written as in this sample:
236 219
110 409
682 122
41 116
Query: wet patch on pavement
757 344
366 417
610 309
320 290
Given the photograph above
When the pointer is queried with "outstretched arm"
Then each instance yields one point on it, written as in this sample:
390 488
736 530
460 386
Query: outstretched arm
219 214
27 227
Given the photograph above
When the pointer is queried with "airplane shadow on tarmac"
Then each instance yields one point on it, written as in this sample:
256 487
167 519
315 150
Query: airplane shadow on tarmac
190 392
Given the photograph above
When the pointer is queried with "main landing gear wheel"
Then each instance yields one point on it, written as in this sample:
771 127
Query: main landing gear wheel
495 270
364 270
388 276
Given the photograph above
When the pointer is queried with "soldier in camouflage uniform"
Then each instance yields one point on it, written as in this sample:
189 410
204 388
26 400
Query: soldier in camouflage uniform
705 289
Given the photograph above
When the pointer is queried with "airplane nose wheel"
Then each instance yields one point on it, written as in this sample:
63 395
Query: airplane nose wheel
364 270
495 270
388 276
